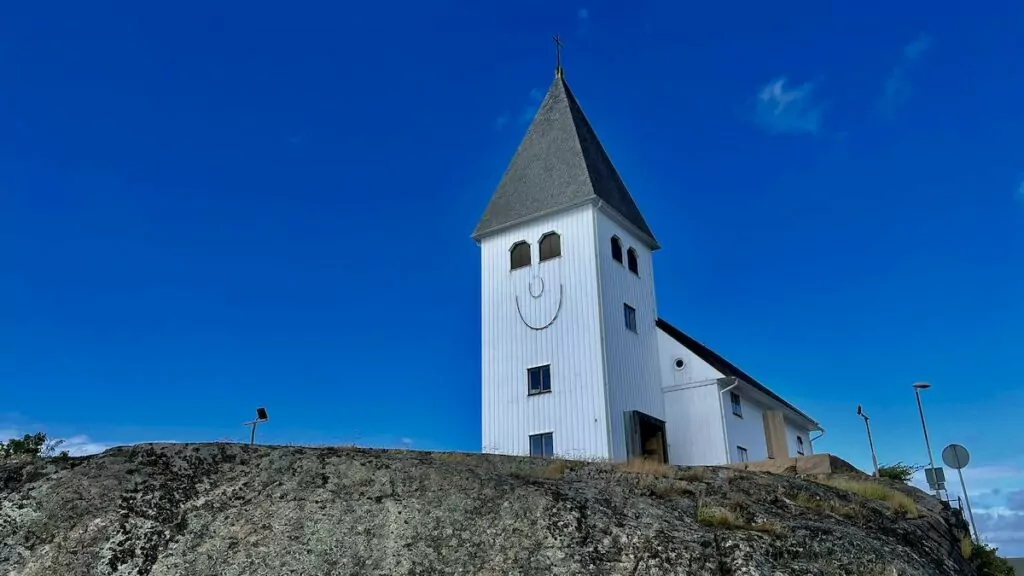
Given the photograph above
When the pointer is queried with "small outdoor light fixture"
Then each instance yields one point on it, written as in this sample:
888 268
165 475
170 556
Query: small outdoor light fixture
935 477
871 444
261 416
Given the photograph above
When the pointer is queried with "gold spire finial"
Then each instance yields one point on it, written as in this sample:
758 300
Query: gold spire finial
558 56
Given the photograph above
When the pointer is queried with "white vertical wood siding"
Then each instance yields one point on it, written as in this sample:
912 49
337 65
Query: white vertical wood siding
792 431
693 414
747 431
694 426
575 410
634 380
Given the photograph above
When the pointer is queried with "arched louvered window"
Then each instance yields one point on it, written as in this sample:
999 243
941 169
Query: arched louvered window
617 249
631 261
550 246
520 255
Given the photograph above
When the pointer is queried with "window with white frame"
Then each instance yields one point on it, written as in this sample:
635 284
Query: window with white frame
538 379
800 445
542 445
737 404
630 317
741 454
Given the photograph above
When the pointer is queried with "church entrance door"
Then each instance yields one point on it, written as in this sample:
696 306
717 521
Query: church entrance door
645 437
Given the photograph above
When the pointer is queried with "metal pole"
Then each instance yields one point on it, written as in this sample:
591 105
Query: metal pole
252 434
927 444
871 444
967 499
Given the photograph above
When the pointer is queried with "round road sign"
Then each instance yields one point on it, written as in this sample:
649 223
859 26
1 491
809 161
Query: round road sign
956 456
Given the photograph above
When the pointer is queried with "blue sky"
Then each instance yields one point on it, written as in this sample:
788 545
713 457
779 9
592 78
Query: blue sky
217 206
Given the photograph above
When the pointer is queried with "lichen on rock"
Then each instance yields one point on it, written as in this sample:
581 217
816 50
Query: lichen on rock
227 509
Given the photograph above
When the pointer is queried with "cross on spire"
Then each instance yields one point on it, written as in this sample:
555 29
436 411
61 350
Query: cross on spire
558 56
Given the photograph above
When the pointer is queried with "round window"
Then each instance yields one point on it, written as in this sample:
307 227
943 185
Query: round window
679 363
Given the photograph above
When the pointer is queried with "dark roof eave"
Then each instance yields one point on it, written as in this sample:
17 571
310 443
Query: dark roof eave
729 369
652 243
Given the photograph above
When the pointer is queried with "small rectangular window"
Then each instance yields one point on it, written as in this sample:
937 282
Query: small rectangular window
737 405
538 379
630 316
741 452
542 445
800 445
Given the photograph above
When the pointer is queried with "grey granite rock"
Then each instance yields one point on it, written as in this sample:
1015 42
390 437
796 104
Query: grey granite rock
231 510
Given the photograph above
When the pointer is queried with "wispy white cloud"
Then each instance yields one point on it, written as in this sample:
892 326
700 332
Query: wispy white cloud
582 21
789 109
1015 500
82 445
898 87
997 498
530 108
525 114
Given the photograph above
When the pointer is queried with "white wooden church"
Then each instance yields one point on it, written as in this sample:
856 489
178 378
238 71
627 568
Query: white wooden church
576 361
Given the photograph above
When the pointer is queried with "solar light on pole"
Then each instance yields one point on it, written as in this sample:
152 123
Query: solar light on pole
261 416
874 461
936 479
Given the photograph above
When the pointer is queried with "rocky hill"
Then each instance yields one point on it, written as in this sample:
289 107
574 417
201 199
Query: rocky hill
226 509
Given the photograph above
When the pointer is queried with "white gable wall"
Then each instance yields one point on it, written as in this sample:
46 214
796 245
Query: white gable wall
695 369
694 426
634 381
693 410
575 410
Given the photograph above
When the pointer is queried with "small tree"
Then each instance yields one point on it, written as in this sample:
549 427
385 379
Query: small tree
31 446
899 471
988 563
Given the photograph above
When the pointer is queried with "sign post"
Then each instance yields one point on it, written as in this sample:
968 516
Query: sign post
956 457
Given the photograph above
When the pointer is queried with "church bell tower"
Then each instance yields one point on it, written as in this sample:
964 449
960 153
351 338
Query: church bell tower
569 343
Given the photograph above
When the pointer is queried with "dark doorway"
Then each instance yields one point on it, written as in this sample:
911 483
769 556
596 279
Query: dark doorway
645 437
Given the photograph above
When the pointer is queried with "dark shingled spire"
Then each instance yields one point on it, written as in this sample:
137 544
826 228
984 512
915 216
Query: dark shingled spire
559 164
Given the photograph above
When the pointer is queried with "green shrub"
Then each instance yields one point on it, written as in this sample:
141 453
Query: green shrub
899 471
31 446
987 563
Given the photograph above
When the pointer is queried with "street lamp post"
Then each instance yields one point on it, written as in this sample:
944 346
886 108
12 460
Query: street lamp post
918 386
871 445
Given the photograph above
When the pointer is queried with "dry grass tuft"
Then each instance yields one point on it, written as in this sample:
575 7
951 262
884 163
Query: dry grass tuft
556 469
693 474
898 501
712 516
723 518
966 546
832 506
452 456
649 467
672 489
772 528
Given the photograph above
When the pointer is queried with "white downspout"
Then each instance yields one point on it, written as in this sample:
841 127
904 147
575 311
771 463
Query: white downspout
811 440
725 428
